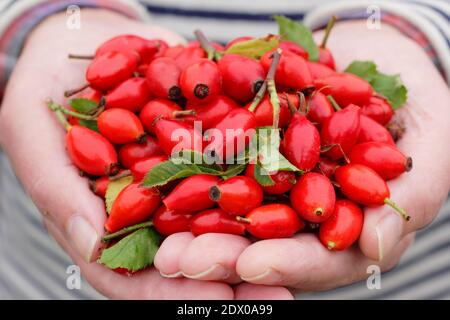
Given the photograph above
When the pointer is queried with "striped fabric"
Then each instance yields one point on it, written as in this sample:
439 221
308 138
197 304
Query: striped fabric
32 266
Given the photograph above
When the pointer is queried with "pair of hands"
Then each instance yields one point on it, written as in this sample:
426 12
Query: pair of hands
205 267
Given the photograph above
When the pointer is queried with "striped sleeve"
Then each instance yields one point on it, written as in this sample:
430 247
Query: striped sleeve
18 18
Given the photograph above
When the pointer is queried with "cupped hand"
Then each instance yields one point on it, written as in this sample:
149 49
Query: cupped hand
73 215
303 262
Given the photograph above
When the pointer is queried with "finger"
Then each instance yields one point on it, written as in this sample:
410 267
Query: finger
168 256
248 291
147 284
213 256
303 262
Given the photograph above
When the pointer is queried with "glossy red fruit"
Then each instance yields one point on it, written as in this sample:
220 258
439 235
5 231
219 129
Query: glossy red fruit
110 69
144 48
192 194
346 89
379 110
120 126
173 52
132 94
175 136
162 47
264 111
326 58
273 221
385 159
313 197
91 152
215 221
294 48
237 40
211 112
141 168
241 77
163 78
133 205
292 71
201 81
301 143
168 222
237 195
231 135
373 131
320 108
157 108
188 56
134 152
319 70
99 186
344 226
283 180
326 167
341 131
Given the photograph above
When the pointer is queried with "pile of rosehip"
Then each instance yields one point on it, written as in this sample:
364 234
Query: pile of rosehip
336 150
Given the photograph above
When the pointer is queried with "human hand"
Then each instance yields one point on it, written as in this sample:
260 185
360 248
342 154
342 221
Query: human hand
34 142
303 262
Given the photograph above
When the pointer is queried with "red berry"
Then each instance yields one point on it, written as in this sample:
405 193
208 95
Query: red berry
168 222
301 143
110 69
273 221
341 131
173 52
188 56
237 195
215 221
120 126
344 226
162 47
141 168
242 77
320 108
264 111
99 186
144 48
134 152
283 180
313 197
384 158
319 70
378 109
326 167
326 58
163 78
201 81
346 89
192 194
231 135
91 152
133 205
292 71
132 94
294 48
157 108
373 131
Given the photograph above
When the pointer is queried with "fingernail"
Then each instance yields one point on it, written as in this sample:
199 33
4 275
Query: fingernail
270 276
215 272
171 275
82 236
389 232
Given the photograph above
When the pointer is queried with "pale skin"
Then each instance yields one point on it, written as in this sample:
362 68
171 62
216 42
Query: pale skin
34 142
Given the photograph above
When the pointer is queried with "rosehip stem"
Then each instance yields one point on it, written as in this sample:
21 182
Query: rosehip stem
333 102
127 230
182 113
272 89
56 108
80 56
244 220
258 97
79 115
399 210
330 25
70 93
122 174
207 46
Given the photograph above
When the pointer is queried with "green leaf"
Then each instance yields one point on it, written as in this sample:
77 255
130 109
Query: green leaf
389 86
296 32
84 106
90 124
233 170
262 176
167 171
113 190
254 48
134 252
